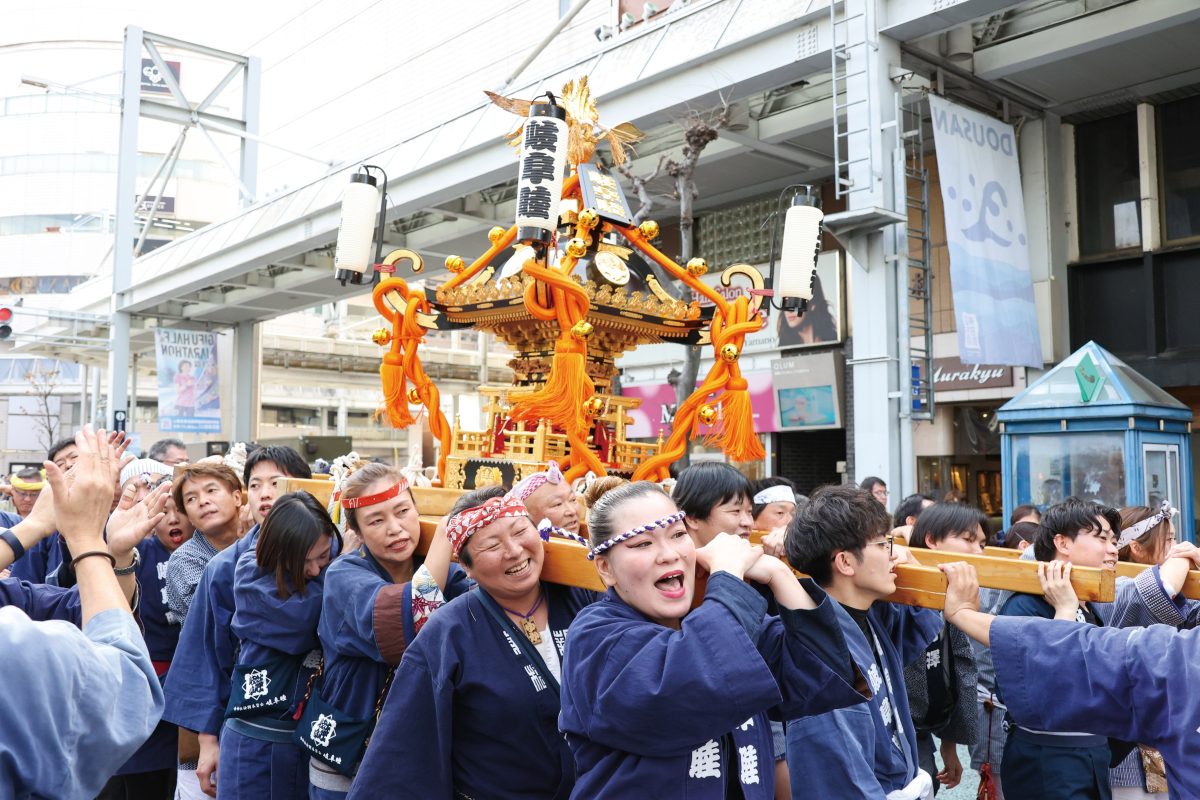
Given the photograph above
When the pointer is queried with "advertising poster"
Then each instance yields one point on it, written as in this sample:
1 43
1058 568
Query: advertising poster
654 414
188 401
986 237
808 392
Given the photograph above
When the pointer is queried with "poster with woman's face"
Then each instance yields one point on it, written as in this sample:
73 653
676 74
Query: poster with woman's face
821 322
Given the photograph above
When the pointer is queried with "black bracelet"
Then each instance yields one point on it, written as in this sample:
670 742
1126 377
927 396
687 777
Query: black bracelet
12 541
111 558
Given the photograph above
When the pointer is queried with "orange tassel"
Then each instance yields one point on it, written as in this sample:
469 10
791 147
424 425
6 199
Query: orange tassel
395 391
567 388
736 436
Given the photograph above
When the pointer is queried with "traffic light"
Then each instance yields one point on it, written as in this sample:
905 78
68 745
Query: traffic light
6 318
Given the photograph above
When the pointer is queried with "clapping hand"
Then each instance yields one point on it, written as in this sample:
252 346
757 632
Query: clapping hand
132 521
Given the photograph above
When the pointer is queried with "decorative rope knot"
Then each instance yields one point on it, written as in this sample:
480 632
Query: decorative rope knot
738 385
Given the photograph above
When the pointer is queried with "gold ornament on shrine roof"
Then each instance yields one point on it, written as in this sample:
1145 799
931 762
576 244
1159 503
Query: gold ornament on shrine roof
649 229
584 131
730 353
697 267
381 336
455 263
707 414
496 234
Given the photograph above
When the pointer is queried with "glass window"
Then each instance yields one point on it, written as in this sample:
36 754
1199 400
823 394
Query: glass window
1050 467
1161 463
1178 133
1106 179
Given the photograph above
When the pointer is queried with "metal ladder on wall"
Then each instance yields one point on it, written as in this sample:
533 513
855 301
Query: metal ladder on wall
848 61
911 113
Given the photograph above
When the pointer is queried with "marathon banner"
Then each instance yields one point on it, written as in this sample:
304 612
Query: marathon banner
188 401
986 237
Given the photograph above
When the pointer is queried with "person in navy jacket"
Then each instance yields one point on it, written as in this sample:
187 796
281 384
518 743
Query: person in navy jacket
663 701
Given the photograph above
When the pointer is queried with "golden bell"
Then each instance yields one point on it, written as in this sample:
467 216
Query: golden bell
581 330
707 414
588 218
697 267
730 353
496 234
414 398
577 248
455 263
649 229
381 336
593 406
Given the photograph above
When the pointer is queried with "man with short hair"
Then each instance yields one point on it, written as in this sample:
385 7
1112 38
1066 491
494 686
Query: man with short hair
909 509
171 452
869 751
44 562
1061 764
26 485
197 687
211 497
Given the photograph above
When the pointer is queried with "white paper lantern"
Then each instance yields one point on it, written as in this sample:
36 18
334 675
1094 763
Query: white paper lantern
798 259
356 231
540 180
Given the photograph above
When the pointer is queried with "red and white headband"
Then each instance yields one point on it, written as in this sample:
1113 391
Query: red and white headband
465 524
379 497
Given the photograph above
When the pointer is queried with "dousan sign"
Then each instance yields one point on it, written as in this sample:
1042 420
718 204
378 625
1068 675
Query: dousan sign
950 374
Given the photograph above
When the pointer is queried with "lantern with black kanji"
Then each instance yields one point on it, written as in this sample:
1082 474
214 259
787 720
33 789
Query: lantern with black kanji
543 163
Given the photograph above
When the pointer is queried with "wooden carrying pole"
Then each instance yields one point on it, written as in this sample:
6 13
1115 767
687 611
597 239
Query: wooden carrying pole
566 563
1125 569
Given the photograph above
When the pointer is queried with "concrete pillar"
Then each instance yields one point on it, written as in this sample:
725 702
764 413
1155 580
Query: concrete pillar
248 366
882 433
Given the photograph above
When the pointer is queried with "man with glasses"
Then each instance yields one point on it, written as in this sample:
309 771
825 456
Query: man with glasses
868 751
877 488
26 486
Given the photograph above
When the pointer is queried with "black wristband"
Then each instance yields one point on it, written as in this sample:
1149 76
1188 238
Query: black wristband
12 541
102 553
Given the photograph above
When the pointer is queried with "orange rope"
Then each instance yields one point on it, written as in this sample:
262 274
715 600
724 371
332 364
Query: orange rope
401 364
734 434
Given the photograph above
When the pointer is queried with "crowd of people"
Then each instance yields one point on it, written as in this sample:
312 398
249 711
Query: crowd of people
186 630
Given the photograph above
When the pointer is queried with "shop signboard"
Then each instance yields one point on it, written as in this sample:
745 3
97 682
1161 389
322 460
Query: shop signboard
808 391
951 374
153 81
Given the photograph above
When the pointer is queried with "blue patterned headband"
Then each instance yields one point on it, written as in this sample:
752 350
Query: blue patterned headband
629 534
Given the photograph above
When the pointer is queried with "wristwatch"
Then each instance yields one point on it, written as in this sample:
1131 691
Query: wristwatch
133 565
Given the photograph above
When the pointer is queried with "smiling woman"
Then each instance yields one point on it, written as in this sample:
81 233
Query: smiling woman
473 710
376 601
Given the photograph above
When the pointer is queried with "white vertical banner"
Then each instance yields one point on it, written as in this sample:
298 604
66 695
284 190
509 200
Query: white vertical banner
986 237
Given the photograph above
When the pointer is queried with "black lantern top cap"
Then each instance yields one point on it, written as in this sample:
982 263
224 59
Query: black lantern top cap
363 177
548 108
806 197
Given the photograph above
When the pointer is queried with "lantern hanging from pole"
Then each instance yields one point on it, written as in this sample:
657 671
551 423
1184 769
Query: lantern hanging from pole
356 230
543 165
798 259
